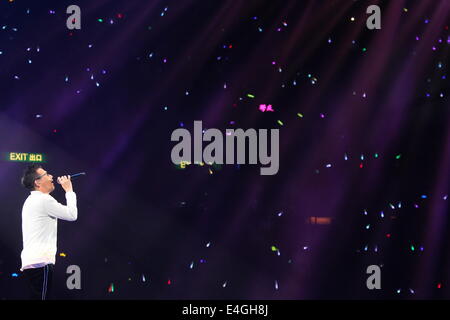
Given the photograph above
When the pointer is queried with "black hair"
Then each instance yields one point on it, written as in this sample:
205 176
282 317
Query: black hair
30 175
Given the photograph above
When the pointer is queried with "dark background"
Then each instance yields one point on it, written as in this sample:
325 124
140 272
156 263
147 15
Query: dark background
378 92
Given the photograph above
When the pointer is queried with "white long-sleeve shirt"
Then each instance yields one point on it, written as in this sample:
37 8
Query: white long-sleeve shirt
40 214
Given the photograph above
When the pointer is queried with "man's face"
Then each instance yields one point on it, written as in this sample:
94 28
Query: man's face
44 183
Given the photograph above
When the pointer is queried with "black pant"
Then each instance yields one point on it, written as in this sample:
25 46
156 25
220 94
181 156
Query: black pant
39 281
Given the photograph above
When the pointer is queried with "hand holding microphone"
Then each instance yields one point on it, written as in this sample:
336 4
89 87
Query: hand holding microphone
66 182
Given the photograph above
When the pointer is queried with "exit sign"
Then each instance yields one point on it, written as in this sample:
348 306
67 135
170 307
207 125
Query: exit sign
25 157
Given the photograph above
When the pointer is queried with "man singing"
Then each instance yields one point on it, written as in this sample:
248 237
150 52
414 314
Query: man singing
40 214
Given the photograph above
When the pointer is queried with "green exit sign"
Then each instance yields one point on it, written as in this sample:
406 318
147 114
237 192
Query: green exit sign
25 157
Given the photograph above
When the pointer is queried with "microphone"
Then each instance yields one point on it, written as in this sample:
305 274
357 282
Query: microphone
76 175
